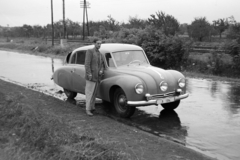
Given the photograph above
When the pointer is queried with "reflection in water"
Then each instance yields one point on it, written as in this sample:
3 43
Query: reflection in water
167 123
28 69
169 119
213 88
234 99
52 65
212 118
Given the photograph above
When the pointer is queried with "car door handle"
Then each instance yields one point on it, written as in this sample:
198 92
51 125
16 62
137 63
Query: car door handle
72 71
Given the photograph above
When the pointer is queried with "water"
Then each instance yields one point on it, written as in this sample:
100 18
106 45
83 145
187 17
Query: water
207 121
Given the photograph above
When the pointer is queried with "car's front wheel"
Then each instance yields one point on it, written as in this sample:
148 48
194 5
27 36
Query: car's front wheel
171 106
70 94
120 104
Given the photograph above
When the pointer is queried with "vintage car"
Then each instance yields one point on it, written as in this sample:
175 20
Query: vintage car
129 79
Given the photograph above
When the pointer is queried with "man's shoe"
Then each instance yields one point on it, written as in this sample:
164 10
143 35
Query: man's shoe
89 113
93 110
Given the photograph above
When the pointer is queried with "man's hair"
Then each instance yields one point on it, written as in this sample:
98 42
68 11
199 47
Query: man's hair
95 40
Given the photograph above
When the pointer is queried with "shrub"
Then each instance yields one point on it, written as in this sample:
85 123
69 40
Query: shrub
217 64
234 50
162 51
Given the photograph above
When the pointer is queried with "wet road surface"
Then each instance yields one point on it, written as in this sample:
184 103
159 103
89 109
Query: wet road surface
207 121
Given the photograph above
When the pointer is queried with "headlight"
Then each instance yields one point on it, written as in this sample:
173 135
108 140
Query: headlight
163 86
139 88
182 82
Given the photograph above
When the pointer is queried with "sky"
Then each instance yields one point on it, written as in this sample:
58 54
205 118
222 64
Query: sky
38 12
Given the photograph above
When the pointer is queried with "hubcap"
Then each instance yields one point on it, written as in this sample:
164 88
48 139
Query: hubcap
122 101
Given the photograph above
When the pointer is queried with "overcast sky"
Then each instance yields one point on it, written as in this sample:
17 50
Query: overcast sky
38 12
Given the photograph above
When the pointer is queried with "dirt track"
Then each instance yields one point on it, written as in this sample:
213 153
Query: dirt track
138 144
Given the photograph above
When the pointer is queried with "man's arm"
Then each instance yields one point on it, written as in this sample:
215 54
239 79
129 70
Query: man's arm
88 59
102 65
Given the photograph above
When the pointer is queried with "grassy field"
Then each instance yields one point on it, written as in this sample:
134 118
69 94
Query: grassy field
37 46
32 133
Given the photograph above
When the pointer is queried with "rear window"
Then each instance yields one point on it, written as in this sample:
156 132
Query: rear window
81 57
78 57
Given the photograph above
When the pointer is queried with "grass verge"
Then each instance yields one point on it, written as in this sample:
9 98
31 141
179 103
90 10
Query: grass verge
28 134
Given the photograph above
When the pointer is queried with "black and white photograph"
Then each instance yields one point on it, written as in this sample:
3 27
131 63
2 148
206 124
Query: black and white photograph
119 80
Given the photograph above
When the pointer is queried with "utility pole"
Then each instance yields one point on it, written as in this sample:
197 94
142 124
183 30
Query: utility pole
85 5
52 23
64 23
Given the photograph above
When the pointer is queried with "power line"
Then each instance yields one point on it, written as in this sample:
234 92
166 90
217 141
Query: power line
64 23
52 23
85 5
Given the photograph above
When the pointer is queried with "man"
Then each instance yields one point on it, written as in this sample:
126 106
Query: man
94 70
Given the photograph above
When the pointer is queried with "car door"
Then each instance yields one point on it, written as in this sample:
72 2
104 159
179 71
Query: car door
78 72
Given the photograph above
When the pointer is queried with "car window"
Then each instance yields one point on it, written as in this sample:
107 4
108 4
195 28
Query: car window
80 57
126 57
73 59
109 60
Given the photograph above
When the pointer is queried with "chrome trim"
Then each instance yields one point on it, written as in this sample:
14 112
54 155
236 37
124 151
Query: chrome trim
153 102
155 96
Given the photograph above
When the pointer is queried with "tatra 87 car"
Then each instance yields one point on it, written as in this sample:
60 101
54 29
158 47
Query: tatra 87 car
129 79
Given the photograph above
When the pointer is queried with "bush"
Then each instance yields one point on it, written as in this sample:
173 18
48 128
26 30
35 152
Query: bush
234 50
162 51
125 35
217 64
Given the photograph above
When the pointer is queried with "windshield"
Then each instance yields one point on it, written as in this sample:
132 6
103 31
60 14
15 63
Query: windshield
129 57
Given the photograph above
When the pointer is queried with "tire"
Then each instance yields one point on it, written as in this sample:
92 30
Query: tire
171 106
119 101
70 94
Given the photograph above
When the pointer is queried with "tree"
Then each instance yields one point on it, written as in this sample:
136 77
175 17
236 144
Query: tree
135 22
73 28
58 28
167 23
183 28
113 24
37 30
27 30
220 25
162 51
233 31
199 28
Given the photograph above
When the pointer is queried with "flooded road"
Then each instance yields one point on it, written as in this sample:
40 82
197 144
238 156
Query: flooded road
207 121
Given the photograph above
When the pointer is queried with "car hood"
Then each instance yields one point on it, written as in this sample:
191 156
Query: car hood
150 74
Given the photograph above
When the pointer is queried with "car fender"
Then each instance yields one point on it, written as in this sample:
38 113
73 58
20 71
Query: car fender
176 74
62 77
126 82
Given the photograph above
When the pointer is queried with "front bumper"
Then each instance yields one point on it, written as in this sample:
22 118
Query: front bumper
154 101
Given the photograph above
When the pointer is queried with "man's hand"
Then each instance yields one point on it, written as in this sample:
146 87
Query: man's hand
90 77
100 72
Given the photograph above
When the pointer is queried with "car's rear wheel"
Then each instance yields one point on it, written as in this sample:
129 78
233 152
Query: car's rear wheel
120 104
70 94
171 106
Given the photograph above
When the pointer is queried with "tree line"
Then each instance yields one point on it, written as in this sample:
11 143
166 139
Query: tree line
200 29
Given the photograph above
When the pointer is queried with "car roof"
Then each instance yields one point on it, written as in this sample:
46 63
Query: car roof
111 47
